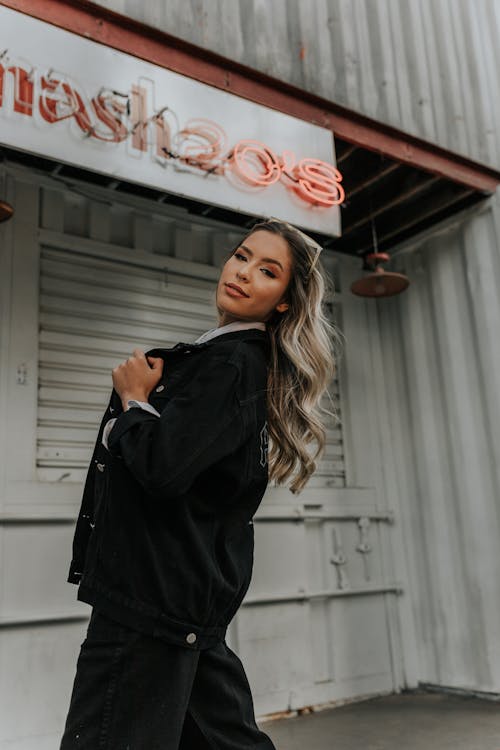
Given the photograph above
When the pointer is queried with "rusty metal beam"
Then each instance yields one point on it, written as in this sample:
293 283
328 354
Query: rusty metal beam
346 154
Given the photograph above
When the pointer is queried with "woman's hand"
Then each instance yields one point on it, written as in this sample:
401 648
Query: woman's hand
134 378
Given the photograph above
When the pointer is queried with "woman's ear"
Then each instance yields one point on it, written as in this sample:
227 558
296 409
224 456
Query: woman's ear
282 307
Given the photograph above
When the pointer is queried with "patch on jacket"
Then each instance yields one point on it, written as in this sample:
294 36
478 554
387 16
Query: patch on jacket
264 442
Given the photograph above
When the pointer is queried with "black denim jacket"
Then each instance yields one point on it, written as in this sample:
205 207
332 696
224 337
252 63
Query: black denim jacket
164 539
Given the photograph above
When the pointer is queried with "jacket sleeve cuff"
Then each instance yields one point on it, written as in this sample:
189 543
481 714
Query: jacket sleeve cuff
148 407
107 429
124 422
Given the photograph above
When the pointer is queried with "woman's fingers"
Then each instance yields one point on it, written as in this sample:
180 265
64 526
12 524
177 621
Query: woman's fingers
137 374
155 362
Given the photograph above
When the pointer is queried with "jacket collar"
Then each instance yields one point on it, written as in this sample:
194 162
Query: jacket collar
236 325
245 334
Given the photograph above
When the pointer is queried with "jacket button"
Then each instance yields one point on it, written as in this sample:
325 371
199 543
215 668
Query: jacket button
101 467
191 637
159 388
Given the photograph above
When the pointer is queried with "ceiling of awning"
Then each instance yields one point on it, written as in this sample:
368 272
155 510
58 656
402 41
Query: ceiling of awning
392 198
395 199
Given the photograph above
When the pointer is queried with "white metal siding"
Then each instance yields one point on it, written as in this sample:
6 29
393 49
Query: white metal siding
442 355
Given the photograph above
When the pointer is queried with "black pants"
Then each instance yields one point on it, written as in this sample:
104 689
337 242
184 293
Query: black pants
136 692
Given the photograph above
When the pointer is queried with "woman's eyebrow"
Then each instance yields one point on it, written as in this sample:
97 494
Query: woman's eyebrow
266 260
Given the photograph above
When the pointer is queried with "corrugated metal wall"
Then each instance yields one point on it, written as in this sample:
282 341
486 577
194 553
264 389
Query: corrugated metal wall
431 68
440 345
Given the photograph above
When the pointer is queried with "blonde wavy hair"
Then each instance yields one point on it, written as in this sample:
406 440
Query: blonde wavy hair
305 349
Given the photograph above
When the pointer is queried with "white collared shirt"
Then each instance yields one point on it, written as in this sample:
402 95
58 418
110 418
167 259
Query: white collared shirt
210 334
236 325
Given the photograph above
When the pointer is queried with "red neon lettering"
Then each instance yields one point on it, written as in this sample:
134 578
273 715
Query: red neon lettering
109 110
139 116
60 101
201 143
23 89
318 182
288 161
256 163
163 137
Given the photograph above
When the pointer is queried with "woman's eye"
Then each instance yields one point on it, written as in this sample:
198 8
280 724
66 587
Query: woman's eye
240 255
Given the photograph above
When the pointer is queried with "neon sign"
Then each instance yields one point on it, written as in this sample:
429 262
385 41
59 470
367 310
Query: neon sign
201 143
79 102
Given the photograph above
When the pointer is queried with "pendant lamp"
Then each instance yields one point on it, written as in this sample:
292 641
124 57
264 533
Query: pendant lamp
378 283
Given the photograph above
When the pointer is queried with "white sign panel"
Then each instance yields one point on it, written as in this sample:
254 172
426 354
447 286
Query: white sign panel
79 102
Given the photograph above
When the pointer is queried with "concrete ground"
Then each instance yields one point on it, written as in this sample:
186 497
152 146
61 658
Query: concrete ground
406 721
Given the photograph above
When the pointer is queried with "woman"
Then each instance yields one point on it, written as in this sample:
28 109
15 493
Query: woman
163 546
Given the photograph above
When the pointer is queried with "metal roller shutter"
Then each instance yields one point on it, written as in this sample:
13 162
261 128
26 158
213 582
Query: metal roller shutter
93 310
92 313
